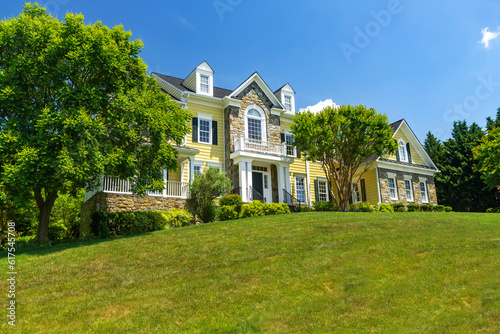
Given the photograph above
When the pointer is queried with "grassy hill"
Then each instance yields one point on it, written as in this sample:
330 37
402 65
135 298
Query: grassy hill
299 273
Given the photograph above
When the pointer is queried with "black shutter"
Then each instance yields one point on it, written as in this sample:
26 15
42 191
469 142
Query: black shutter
316 190
195 129
214 132
298 152
282 138
363 190
408 152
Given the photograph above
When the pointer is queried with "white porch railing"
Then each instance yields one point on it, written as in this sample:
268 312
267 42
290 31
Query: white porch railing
115 185
252 145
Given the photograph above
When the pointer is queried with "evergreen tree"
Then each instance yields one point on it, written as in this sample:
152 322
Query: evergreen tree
459 184
434 148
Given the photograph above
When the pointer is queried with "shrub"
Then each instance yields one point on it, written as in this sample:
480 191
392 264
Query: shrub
450 209
427 207
305 209
283 208
26 241
493 210
384 207
413 207
325 206
253 209
178 218
399 207
232 200
206 187
106 225
227 212
57 231
363 207
438 208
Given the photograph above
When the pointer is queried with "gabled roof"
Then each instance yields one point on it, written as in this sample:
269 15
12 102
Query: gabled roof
177 83
287 84
255 77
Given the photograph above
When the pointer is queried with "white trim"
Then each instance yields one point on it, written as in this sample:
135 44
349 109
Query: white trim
206 118
259 156
308 178
262 118
398 167
426 191
303 177
411 190
407 177
262 84
378 186
402 146
422 179
323 180
395 188
353 193
215 164
393 175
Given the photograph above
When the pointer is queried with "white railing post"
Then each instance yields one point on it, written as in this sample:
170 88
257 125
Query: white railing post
242 143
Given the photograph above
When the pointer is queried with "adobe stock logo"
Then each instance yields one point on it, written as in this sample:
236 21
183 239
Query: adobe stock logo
53 6
373 28
223 6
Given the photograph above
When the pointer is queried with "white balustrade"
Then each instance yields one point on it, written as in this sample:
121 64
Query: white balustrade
252 145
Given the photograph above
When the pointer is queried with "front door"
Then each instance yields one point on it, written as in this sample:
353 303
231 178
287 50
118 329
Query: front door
258 182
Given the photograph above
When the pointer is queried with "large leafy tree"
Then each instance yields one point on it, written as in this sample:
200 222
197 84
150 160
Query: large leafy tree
487 153
75 101
459 184
343 139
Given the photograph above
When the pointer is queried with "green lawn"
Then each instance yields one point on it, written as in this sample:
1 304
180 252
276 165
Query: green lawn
299 273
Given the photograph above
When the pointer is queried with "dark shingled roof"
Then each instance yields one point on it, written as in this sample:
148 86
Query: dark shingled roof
177 83
407 164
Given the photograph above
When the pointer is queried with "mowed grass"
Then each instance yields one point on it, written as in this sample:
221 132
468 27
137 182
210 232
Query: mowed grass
299 273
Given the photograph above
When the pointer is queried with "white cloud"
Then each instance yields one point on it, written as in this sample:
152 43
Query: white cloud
488 36
319 106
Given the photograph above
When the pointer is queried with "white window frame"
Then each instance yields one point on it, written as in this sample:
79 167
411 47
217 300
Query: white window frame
327 192
403 155
262 118
426 191
204 85
206 118
393 177
297 177
409 180
288 104
294 149
197 163
356 193
215 164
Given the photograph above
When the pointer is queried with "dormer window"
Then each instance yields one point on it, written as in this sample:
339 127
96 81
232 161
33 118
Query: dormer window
288 103
204 84
255 123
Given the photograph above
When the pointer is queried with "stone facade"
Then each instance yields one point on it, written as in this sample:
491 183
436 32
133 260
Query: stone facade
400 179
120 202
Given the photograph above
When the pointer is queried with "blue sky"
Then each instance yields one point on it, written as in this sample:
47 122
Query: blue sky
418 60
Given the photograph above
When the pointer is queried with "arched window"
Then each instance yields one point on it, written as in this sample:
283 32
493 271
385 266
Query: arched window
403 155
255 123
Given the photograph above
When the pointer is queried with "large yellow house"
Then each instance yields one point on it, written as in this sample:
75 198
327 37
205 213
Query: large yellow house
246 133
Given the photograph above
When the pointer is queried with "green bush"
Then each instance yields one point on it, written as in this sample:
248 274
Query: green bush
253 209
413 207
126 223
384 207
305 209
438 208
363 207
26 241
325 206
450 209
493 210
399 207
275 208
227 212
177 218
427 207
283 208
232 200
57 231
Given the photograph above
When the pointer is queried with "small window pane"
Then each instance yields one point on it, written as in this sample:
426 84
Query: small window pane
392 188
288 103
204 83
409 193
197 170
254 112
204 131
423 191
289 146
300 189
254 129
322 191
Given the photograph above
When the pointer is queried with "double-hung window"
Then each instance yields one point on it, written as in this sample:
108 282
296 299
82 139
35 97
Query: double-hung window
322 191
356 194
392 188
205 131
409 190
300 190
290 150
204 84
288 103
255 125
423 192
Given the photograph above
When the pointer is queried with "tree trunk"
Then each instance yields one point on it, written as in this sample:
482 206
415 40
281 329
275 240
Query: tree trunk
45 208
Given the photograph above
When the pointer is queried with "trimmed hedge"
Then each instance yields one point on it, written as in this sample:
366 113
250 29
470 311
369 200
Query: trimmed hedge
493 210
178 218
111 224
325 206
227 212
232 200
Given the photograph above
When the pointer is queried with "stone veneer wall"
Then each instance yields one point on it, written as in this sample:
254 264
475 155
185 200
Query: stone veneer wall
119 202
385 193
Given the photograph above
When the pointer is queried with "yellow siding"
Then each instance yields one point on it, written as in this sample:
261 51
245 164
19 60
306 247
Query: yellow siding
415 157
208 152
370 178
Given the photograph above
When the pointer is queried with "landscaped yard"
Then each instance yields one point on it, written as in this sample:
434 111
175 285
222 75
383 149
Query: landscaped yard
299 273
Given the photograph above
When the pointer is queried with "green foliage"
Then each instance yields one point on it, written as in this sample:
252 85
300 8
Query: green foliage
26 241
204 188
448 209
66 211
253 209
275 208
413 208
76 102
178 218
493 210
350 134
233 199
434 148
399 207
305 209
459 184
427 207
363 207
57 231
487 155
325 206
227 212
106 224
385 207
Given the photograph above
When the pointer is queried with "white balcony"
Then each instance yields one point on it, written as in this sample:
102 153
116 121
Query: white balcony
259 146
115 185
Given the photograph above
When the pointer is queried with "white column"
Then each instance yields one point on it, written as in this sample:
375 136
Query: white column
308 188
165 184
191 169
249 175
242 143
288 185
281 183
243 182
